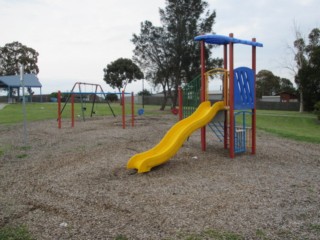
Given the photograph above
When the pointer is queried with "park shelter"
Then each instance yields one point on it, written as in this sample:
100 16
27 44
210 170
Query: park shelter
12 85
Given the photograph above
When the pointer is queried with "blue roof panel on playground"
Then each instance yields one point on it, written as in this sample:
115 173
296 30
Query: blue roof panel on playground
220 40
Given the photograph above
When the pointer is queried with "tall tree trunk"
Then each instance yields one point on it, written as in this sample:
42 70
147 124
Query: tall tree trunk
165 95
165 99
301 101
174 98
120 96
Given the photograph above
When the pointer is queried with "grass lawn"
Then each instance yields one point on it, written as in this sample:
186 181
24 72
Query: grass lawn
294 125
13 113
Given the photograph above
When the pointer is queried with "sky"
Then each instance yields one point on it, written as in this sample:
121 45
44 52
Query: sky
76 39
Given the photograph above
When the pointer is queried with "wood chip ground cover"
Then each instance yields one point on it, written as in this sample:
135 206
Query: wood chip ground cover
73 184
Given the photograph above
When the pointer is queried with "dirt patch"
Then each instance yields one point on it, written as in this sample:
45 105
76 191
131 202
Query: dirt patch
73 184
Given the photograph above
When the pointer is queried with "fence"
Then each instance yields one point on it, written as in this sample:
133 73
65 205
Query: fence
284 106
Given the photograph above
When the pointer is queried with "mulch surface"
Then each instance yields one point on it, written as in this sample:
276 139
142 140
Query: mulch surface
73 184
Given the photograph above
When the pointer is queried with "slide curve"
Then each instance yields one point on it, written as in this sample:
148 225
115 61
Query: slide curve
174 138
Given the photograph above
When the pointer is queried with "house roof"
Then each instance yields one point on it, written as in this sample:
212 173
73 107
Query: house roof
221 40
287 93
30 80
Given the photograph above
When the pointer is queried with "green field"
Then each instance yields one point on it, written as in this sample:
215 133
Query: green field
13 113
293 125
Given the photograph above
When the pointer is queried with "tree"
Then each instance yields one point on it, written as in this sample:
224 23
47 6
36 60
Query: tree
121 72
153 56
312 83
145 92
299 57
13 54
112 97
308 61
167 52
286 86
267 84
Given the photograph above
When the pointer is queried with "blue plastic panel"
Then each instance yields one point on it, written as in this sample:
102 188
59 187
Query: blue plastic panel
243 88
220 40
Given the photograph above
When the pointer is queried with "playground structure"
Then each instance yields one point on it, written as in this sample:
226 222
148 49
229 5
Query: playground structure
83 97
238 101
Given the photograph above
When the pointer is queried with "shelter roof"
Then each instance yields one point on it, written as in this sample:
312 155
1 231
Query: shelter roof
30 80
221 40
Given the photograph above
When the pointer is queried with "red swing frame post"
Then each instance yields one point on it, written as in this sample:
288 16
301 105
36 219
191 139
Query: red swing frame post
59 109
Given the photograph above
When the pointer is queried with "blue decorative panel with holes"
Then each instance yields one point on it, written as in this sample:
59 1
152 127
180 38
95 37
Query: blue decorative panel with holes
243 88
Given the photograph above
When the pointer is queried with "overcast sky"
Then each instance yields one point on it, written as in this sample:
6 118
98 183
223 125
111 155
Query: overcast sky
76 39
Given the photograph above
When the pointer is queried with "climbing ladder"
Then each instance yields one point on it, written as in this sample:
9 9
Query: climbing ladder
217 129
191 96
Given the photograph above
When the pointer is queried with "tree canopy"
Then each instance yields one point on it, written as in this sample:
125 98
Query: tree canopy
122 71
268 84
308 75
15 53
168 53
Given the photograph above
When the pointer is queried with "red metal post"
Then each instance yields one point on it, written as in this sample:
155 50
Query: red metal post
231 99
253 126
225 95
132 109
72 110
203 91
225 66
123 111
180 103
59 109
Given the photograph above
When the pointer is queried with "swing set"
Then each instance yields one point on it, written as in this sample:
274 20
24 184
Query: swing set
84 99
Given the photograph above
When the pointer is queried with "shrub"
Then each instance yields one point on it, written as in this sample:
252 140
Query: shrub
54 95
112 97
145 92
317 110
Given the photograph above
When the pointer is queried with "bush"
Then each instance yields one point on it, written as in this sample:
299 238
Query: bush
145 92
112 97
317 110
54 95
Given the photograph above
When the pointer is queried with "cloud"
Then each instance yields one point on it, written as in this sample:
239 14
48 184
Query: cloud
76 39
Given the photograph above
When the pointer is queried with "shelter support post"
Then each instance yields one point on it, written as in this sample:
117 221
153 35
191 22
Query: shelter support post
123 111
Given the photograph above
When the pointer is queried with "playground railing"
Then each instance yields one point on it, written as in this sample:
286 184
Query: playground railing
191 96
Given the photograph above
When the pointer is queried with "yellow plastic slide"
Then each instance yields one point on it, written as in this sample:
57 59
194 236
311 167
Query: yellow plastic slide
174 138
